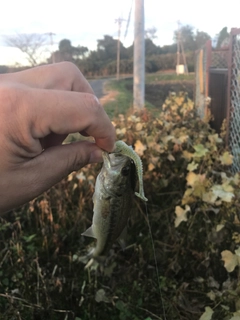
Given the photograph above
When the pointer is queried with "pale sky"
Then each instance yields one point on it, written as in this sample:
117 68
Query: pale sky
85 21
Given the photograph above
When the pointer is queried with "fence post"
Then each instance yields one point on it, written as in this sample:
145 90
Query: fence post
208 65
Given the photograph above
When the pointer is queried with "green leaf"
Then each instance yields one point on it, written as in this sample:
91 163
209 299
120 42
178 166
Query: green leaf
101 296
192 166
200 151
5 282
120 305
29 238
214 138
207 315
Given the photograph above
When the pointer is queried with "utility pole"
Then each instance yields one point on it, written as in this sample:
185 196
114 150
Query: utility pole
180 47
139 56
178 42
119 21
51 34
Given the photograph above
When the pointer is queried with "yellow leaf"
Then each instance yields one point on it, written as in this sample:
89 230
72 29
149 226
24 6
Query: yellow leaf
181 214
230 260
121 117
139 126
226 159
193 178
151 167
120 131
139 147
187 197
219 227
187 155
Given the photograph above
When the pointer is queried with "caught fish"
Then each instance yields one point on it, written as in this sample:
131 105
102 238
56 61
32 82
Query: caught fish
113 197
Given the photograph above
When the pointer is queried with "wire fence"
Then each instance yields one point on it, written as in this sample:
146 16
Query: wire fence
217 75
234 99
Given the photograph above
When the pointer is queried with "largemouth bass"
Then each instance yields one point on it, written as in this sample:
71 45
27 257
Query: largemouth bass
113 197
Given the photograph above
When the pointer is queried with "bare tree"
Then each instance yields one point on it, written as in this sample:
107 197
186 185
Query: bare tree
150 33
31 44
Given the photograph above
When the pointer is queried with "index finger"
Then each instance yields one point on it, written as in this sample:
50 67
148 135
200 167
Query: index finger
60 76
64 112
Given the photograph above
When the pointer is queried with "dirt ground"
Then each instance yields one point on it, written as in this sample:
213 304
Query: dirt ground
109 96
155 93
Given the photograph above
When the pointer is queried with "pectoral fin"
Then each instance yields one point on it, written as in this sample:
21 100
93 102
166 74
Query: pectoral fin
89 233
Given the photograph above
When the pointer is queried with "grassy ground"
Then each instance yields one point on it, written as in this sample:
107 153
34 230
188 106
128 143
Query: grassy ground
151 78
157 88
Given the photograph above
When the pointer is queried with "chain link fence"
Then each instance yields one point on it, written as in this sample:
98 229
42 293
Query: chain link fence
234 99
217 74
219 58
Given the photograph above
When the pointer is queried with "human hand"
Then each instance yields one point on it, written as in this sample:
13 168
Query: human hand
39 107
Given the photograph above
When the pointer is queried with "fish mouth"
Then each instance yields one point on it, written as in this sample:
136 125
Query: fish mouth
114 160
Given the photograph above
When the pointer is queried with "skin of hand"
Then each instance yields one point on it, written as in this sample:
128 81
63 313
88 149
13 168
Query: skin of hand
39 107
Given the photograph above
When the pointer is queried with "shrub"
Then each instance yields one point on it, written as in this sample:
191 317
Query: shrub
193 212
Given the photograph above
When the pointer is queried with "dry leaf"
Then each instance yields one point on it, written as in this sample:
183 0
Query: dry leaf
209 197
151 167
226 159
187 155
171 157
207 315
220 227
139 147
193 178
181 214
230 260
120 131
166 139
139 126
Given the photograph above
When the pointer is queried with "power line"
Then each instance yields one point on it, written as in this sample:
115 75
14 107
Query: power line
128 21
51 34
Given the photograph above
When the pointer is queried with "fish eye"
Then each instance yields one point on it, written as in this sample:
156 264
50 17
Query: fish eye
125 171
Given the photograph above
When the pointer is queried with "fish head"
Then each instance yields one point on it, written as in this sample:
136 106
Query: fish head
118 173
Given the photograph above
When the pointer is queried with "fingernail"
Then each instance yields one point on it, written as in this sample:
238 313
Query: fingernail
96 156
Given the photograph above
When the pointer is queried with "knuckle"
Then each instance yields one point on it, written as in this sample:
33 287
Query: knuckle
69 67
8 98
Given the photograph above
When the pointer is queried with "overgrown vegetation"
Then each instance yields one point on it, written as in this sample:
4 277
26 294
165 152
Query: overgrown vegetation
157 87
193 211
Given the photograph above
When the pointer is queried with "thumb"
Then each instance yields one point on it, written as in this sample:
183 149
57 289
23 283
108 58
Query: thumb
57 162
42 172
